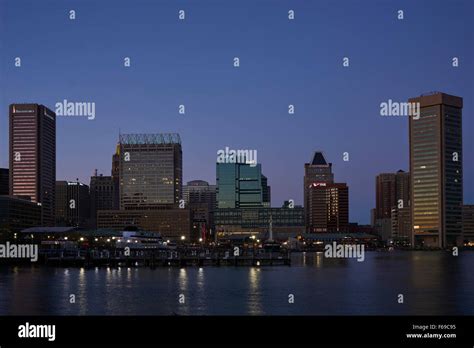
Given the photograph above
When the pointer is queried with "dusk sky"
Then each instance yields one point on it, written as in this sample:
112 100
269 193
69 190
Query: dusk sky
282 62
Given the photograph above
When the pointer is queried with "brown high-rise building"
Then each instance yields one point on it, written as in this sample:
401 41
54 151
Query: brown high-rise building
318 170
33 156
391 190
328 207
436 170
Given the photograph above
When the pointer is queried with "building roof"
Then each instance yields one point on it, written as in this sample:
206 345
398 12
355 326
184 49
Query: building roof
149 139
318 159
48 229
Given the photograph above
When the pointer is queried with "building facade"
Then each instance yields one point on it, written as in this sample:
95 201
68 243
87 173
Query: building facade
102 195
318 170
72 204
150 170
4 181
17 214
171 222
232 221
33 156
392 192
468 223
240 185
328 207
436 171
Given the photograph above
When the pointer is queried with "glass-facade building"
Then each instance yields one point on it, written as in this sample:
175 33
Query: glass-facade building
17 214
255 220
150 170
436 171
241 185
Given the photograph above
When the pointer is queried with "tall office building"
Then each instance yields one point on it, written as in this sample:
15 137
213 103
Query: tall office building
72 204
116 176
200 197
318 170
328 207
468 223
436 170
266 192
199 191
102 194
392 193
150 170
239 185
33 156
391 189
4 175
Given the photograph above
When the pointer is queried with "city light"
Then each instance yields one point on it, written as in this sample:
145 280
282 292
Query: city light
183 237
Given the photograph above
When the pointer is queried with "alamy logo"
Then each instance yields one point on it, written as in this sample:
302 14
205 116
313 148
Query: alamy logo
237 156
24 251
67 108
393 108
37 331
345 251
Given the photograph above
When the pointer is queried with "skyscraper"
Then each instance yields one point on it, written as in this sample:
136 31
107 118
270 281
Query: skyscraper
391 189
102 194
72 204
266 192
4 174
328 207
150 170
239 185
468 223
436 170
392 192
33 156
318 170
200 197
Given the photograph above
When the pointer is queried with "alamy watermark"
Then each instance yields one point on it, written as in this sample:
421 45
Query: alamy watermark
237 156
345 251
22 251
394 108
74 109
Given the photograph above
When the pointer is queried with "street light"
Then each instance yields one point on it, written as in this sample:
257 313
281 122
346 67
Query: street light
200 239
183 237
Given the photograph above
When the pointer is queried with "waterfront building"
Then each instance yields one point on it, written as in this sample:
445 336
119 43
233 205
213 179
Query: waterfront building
33 156
318 170
102 193
72 204
17 214
436 176
241 185
171 222
328 207
468 223
200 198
392 192
150 170
249 221
4 181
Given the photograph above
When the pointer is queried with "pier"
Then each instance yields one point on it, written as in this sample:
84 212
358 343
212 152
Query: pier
164 258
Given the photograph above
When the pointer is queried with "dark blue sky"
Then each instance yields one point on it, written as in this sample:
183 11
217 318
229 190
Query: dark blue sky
282 62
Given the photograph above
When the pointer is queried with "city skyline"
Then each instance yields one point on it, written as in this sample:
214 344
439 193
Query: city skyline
248 107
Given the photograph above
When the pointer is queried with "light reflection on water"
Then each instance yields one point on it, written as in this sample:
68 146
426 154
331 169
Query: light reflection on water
431 282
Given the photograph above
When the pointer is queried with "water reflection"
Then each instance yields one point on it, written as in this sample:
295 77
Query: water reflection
254 303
